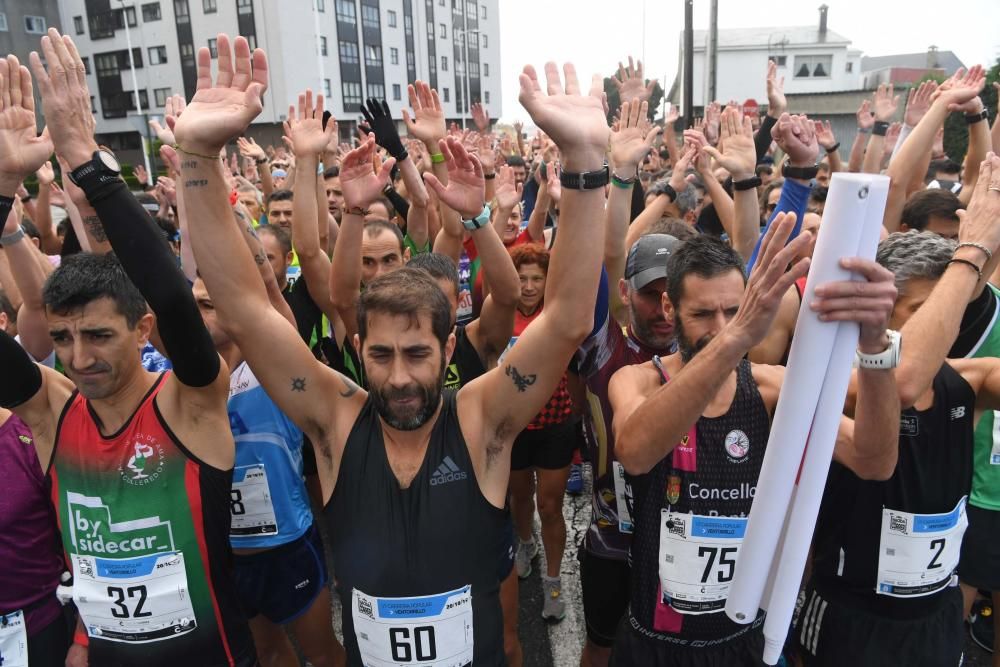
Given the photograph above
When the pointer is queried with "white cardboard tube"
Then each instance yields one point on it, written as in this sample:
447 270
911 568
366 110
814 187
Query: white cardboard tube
846 208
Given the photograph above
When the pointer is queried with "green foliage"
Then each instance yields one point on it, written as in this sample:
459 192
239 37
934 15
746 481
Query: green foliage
956 131
614 101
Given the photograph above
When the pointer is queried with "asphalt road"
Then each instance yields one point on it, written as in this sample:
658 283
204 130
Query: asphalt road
559 644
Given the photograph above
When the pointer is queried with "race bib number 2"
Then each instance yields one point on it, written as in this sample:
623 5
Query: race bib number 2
698 559
919 552
431 630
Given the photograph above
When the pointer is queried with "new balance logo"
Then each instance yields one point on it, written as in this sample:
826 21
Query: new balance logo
957 413
447 472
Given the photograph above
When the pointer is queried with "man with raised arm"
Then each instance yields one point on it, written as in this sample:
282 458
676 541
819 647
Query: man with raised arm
414 479
140 463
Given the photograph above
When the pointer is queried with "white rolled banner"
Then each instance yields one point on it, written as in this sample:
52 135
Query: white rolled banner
847 209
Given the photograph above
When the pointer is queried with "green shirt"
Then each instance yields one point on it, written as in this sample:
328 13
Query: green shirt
986 450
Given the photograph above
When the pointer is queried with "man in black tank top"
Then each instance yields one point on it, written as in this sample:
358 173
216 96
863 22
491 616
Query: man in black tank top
883 588
694 427
414 477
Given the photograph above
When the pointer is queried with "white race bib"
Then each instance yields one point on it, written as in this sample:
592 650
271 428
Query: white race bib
995 452
141 599
13 640
432 630
918 553
697 559
250 502
622 497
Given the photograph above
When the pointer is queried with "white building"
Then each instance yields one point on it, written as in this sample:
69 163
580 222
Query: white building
813 59
348 49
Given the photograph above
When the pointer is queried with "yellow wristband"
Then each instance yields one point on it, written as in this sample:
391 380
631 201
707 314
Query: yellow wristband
437 158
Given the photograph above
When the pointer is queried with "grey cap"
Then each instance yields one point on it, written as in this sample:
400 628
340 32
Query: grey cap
647 259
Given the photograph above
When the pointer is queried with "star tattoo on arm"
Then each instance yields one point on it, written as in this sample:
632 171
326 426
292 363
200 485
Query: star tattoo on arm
522 382
298 384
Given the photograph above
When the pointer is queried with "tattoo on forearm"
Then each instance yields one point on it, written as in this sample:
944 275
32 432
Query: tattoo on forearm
350 389
298 384
522 382
260 258
189 164
94 227
196 183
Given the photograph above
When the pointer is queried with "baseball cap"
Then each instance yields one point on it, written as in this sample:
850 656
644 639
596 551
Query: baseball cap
647 259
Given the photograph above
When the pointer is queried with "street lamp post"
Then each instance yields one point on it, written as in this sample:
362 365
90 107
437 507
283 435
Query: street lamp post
135 89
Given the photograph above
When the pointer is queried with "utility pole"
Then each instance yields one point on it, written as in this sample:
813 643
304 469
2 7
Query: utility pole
713 37
688 63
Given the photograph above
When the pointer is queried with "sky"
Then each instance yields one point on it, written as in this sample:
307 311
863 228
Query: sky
596 34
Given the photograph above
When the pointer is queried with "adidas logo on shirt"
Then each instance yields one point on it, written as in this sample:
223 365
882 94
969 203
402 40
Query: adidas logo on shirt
446 472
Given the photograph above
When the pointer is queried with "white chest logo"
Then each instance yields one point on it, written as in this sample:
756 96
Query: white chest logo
737 446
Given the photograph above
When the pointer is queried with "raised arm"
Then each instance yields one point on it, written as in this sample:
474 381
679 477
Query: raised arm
29 274
828 142
979 146
885 104
50 245
738 158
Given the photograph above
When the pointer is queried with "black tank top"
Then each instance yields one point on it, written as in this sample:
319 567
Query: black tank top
714 475
465 365
933 473
436 536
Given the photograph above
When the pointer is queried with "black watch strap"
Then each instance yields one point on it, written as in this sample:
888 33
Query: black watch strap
670 192
746 184
588 180
973 118
803 173
880 128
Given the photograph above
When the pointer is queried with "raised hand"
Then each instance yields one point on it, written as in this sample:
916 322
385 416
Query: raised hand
738 155
776 102
65 99
380 121
358 181
164 134
712 114
678 176
481 117
552 183
486 153
885 103
220 113
672 115
977 224
167 188
577 123
961 91
22 152
141 175
796 135
630 83
891 137
519 127
918 101
248 148
864 114
508 193
427 123
632 139
46 175
824 134
304 132
466 189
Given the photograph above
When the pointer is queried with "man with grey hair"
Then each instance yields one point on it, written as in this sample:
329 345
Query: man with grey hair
885 551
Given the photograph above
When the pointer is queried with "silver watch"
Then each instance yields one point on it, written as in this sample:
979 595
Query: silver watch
885 360
13 237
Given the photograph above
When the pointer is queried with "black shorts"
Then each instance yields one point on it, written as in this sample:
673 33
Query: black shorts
745 649
548 448
506 551
283 582
831 633
605 586
979 565
47 647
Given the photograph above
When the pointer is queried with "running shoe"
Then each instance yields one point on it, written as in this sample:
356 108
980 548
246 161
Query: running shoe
574 485
981 624
553 609
526 552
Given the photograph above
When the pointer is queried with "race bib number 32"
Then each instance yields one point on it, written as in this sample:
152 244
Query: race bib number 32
698 559
431 630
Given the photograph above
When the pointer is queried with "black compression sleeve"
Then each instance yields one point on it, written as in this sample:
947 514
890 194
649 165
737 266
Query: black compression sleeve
21 376
150 264
763 139
401 205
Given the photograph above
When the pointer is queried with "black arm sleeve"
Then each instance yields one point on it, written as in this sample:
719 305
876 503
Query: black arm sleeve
401 205
763 139
150 264
21 376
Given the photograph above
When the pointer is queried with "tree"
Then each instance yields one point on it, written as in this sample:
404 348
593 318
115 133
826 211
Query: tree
956 132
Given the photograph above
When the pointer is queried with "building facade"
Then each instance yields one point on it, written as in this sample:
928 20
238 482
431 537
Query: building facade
22 24
348 50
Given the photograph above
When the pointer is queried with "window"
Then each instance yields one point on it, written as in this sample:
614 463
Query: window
349 53
326 88
369 17
93 105
157 55
346 12
3 22
373 56
322 46
487 98
210 6
244 7
213 48
474 69
470 9
780 61
849 67
78 24
394 55
121 15
35 25
443 31
482 12
252 42
351 91
444 63
397 92
813 67
486 69
407 25
86 65
447 95
484 41
160 95
392 19
409 59
107 64
187 53
181 11
376 90
143 99
151 11
321 7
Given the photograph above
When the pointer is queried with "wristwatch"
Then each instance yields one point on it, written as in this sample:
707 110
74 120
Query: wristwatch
885 360
973 118
479 221
588 180
12 238
102 163
803 173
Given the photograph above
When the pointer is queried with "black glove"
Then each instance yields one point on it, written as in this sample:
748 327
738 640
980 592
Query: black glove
384 128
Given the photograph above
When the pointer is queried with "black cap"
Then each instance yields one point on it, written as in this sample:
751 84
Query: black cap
647 259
